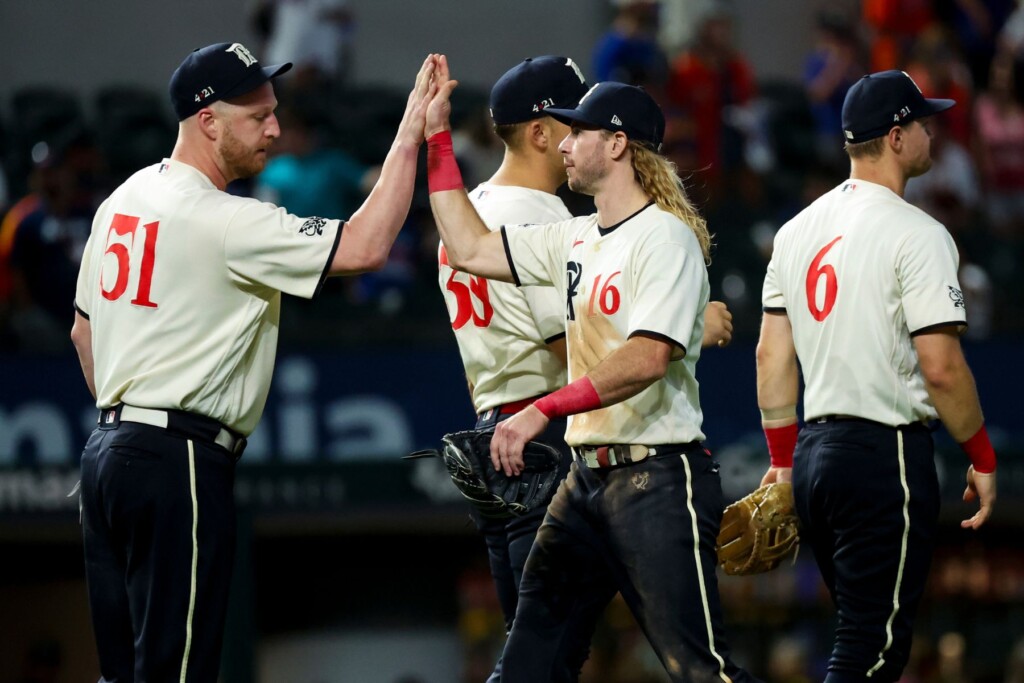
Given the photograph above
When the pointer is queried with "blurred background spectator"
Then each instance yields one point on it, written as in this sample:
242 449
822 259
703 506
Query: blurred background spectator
836 62
315 35
705 79
629 51
42 238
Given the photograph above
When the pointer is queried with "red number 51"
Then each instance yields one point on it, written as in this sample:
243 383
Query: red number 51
127 225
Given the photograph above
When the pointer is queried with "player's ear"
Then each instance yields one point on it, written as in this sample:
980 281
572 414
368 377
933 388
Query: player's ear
208 123
619 144
538 134
895 138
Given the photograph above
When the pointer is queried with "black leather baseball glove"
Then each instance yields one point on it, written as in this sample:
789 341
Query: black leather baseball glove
467 455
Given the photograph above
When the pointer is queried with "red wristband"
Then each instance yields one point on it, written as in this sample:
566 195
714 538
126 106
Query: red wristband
575 397
979 449
781 444
442 169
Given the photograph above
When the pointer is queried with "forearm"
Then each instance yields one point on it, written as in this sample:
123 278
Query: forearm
470 246
956 400
366 239
778 376
777 391
626 372
949 382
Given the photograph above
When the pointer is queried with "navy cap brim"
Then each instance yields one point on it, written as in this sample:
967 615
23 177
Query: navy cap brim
569 116
255 79
937 105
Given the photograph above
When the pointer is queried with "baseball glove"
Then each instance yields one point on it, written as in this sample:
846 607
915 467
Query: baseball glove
467 455
758 531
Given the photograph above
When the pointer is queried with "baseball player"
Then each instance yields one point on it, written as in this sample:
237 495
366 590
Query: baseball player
640 508
512 339
862 290
177 311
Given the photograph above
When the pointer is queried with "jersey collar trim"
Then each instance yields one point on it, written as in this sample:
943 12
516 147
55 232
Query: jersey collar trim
605 231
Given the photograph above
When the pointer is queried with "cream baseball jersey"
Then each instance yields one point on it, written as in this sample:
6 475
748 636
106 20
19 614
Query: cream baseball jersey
182 286
858 273
645 275
503 330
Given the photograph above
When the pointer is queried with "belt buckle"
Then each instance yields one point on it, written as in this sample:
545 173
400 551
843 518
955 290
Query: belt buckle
610 456
109 418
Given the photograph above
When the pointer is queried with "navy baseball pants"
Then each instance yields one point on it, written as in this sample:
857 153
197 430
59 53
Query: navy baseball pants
158 522
868 500
646 529
508 545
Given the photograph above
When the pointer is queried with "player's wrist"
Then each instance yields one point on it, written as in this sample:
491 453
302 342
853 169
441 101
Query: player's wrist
579 396
781 444
442 169
979 449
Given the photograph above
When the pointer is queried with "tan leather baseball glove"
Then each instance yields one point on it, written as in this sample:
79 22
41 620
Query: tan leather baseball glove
758 531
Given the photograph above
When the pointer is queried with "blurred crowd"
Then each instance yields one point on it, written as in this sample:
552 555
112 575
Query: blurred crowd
753 152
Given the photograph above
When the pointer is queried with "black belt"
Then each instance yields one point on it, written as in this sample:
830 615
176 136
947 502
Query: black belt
493 415
198 427
827 419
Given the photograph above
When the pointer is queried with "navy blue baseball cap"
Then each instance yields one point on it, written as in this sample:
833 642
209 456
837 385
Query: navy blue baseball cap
879 101
528 89
618 107
217 72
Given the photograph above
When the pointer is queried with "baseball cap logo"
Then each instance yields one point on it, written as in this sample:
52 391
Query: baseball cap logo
616 120
912 81
571 64
588 93
242 53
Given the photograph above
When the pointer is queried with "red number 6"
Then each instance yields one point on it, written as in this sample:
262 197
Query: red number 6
814 273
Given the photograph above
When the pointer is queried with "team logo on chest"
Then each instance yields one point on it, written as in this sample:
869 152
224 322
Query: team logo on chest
640 480
956 296
573 273
313 226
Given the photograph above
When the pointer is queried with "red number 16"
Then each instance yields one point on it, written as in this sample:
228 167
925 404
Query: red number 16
127 225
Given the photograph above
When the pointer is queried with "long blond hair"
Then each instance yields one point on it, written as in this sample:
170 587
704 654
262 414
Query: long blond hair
657 176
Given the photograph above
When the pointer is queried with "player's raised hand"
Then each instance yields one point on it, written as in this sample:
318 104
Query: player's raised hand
982 487
411 127
717 324
510 438
440 107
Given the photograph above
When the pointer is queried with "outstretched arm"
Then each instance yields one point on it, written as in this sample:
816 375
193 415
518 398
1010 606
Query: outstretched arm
366 239
471 247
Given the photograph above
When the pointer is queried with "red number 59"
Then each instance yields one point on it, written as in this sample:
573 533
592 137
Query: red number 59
128 225
815 273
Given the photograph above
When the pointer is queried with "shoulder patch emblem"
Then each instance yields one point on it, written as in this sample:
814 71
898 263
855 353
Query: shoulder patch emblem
956 296
313 226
